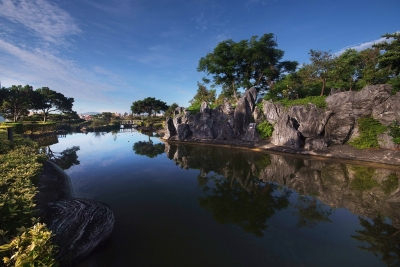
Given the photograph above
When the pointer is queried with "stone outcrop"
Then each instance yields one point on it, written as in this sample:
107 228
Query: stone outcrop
78 225
299 127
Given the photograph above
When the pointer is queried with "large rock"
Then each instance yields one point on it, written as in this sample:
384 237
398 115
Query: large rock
78 225
310 118
272 111
339 128
251 134
183 131
359 104
388 111
170 129
286 133
223 121
386 141
244 111
202 124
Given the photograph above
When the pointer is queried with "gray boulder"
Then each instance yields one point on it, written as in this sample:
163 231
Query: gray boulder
244 111
183 131
316 143
170 129
311 119
386 141
339 128
272 111
78 225
202 124
388 111
251 134
223 121
286 134
359 104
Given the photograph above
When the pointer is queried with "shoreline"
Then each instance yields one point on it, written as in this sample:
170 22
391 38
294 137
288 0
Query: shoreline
381 158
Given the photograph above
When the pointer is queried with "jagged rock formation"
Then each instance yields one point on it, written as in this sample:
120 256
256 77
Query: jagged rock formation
78 225
307 127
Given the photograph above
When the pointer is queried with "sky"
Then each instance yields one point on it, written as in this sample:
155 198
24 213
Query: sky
107 54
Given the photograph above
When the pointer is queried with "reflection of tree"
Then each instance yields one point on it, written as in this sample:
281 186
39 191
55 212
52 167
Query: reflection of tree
231 203
148 149
65 159
384 239
311 212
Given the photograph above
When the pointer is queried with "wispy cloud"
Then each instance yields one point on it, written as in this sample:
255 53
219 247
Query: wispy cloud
47 20
115 7
363 46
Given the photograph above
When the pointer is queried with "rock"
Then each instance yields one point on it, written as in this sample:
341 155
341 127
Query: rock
78 225
202 124
244 111
258 115
359 104
183 131
223 122
311 119
285 133
316 143
385 141
251 134
272 111
339 128
170 129
388 111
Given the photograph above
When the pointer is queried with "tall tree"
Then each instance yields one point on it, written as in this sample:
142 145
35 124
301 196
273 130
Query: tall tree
370 73
347 69
48 100
16 101
203 95
255 62
320 68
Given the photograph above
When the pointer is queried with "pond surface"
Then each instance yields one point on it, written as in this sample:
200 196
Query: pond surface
197 205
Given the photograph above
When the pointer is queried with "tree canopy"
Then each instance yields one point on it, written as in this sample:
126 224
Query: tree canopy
149 105
391 57
16 101
249 63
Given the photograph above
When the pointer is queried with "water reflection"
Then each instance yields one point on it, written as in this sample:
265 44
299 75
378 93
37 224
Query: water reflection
231 202
311 212
64 159
383 238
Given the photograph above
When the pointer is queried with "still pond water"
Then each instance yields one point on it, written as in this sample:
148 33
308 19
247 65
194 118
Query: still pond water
197 205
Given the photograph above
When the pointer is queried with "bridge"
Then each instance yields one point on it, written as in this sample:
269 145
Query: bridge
129 123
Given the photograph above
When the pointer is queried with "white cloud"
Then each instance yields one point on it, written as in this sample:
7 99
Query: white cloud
47 20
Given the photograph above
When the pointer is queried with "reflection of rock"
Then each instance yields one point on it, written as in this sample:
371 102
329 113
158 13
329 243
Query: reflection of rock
362 190
78 225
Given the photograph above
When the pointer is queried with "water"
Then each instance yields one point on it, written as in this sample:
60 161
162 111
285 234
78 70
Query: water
197 205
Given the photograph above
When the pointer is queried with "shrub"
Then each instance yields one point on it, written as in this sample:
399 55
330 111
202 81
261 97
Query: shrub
265 129
394 132
369 131
32 247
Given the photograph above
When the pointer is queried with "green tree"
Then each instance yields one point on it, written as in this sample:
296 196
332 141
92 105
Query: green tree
391 56
370 73
107 116
149 105
48 100
16 101
347 69
170 111
255 62
320 69
202 95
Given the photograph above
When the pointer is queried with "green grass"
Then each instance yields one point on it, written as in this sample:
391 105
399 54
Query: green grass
369 130
319 101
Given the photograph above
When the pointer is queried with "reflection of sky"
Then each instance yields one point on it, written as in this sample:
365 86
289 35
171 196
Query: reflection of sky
156 208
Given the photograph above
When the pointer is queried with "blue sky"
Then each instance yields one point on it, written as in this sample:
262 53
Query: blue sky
108 53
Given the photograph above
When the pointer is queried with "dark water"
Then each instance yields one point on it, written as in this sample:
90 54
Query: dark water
185 205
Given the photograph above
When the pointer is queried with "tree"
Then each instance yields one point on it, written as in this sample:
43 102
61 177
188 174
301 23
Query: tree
347 69
370 73
170 111
391 57
320 68
255 62
148 105
16 101
48 100
203 95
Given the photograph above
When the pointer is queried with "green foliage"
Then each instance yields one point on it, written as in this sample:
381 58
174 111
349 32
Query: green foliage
319 101
363 178
6 146
390 184
369 130
394 132
265 129
391 57
31 248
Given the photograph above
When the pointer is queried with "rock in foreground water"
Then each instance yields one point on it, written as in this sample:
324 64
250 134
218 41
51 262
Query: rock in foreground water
79 226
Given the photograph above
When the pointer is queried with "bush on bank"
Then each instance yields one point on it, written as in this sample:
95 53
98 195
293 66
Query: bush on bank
23 240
